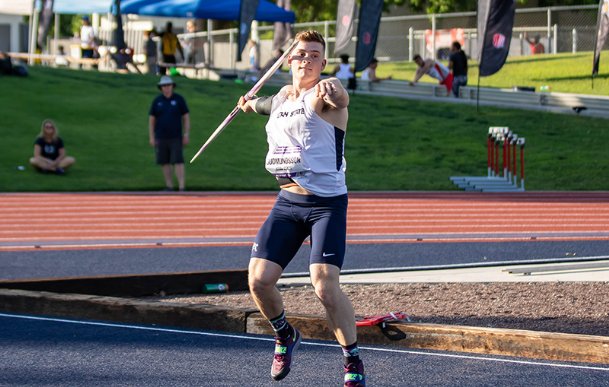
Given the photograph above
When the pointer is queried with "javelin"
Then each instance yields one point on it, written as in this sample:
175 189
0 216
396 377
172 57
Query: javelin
250 94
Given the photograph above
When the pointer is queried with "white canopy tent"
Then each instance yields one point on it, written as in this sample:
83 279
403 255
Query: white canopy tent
25 7
16 7
12 31
32 8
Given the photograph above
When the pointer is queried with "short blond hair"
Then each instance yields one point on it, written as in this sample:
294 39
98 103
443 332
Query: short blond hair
310 36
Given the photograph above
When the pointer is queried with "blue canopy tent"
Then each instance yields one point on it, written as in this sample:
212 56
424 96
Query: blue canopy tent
205 9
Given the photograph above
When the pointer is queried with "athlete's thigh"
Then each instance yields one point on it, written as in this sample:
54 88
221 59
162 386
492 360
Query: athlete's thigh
280 236
329 234
263 271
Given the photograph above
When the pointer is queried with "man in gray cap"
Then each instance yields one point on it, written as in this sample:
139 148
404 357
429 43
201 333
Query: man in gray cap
169 129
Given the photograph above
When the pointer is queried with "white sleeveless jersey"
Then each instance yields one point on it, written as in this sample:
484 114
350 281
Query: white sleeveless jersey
438 71
305 147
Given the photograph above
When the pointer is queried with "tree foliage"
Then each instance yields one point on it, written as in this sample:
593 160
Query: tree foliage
316 10
443 6
553 3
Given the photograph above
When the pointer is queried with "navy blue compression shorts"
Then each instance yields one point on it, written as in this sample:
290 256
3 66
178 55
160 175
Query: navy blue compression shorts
295 217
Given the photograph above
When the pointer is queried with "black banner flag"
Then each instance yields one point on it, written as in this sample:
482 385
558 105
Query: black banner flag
344 24
495 23
246 16
367 32
118 34
282 31
46 16
602 31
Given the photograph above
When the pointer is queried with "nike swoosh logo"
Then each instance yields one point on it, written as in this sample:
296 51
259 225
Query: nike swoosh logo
327 255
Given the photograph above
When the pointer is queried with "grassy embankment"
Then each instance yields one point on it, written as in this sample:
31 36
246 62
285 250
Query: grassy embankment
392 144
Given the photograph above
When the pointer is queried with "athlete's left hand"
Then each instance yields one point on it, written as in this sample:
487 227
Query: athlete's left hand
329 89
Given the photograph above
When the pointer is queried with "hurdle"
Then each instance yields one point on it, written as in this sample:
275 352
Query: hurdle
502 146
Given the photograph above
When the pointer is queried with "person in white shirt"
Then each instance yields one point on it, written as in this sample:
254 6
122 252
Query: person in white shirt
60 59
343 70
369 74
87 38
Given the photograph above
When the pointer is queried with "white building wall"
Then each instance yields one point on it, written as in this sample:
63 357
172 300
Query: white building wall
14 21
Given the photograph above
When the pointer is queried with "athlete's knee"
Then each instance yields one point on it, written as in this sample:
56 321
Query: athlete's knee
257 287
328 292
262 275
258 284
325 280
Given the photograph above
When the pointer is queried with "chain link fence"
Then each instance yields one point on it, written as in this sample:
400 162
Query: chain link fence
559 29
568 29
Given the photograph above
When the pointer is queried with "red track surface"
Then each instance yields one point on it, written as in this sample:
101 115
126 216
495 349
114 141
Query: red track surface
109 220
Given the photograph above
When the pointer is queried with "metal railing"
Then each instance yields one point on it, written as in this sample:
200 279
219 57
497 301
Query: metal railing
559 29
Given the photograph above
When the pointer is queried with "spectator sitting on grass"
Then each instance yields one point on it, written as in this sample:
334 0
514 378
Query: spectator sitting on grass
49 152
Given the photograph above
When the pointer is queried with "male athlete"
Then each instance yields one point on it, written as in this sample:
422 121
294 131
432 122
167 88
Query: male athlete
435 70
305 133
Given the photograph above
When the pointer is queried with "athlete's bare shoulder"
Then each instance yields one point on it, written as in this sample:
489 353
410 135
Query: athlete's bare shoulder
287 90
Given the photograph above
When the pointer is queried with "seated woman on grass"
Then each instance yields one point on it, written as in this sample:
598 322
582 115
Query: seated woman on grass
49 152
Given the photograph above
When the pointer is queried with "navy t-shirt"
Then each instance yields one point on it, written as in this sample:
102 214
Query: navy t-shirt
459 60
49 150
168 113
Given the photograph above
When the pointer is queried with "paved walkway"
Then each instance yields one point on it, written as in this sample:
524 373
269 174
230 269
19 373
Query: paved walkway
582 271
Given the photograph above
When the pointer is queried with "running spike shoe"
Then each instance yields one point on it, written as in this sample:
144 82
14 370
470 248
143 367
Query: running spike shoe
354 375
284 349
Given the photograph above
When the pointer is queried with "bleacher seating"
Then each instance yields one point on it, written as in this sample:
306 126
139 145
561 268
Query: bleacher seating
588 105
51 60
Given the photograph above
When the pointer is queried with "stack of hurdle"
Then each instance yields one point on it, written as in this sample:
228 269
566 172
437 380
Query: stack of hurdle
502 173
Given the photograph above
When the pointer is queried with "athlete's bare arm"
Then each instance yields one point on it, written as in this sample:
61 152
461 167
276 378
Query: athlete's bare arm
331 102
332 93
255 104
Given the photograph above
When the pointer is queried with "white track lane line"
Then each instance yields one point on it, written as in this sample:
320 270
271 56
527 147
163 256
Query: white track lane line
243 337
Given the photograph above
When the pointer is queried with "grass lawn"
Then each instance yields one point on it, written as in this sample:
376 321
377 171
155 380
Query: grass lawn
391 144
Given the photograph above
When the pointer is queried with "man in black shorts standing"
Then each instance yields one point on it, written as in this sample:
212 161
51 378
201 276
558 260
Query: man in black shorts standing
169 129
